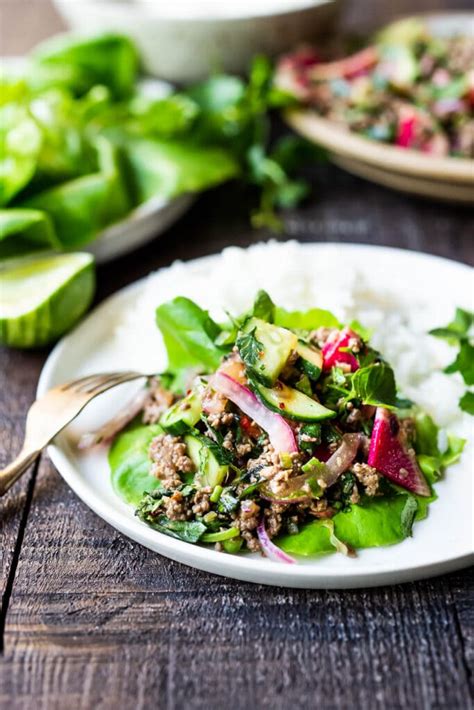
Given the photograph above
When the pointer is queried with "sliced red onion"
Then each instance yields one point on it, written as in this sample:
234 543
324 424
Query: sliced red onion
110 429
279 431
272 551
341 458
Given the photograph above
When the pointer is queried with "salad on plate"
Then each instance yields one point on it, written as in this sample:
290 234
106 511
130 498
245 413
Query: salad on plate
410 88
280 432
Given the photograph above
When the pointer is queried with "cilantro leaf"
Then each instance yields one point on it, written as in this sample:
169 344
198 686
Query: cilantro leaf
464 363
466 403
249 348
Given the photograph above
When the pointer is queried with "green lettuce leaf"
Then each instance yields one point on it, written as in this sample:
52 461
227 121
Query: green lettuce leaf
20 145
170 168
432 460
109 59
130 464
80 208
375 522
305 320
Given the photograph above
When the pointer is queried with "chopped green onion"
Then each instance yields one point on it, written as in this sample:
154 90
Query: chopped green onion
220 536
216 494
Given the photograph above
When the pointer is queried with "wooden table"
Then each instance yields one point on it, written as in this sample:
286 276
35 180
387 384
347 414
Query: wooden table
92 620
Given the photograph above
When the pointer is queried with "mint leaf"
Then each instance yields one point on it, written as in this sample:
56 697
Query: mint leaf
408 514
374 385
263 307
458 329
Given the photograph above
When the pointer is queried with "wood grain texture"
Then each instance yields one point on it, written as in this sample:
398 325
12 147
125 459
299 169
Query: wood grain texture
93 620
105 623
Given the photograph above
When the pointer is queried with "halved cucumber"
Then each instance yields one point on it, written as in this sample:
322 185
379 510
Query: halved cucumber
276 346
209 471
182 415
311 360
290 403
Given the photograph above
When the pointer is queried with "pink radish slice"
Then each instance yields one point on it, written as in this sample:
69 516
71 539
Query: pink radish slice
390 457
279 431
332 355
346 68
272 551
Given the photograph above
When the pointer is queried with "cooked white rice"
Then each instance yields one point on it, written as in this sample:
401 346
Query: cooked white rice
399 318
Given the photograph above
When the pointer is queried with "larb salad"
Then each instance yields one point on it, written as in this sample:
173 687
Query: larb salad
280 432
410 88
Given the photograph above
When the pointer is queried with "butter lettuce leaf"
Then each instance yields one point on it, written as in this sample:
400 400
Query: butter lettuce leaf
374 522
130 464
24 231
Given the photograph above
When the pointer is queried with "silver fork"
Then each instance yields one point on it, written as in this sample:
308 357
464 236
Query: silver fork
50 414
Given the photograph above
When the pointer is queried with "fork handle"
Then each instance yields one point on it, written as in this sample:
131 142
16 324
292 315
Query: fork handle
11 473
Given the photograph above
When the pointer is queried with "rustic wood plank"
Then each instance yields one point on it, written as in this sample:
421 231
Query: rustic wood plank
103 622
18 376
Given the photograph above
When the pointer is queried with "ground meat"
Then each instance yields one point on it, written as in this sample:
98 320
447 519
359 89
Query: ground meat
159 401
368 476
201 502
216 421
176 507
355 495
320 509
247 522
274 518
269 466
169 456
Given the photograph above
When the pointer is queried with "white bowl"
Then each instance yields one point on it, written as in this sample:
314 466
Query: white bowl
185 40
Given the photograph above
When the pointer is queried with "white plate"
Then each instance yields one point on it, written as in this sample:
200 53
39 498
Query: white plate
440 544
146 221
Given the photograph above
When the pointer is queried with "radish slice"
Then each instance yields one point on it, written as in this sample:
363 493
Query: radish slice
272 551
342 458
333 355
110 429
279 431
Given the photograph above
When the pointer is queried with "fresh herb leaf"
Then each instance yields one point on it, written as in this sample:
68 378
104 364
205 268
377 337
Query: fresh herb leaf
357 327
466 403
250 349
374 385
431 459
189 334
185 530
263 307
408 514
460 333
464 363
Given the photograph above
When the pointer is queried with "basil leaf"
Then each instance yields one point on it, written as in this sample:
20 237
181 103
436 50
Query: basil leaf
408 514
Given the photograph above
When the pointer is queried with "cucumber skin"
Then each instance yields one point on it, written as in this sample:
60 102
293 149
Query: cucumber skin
311 370
180 426
25 332
256 387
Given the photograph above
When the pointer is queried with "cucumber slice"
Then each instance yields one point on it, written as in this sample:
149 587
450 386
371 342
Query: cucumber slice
270 359
311 360
291 404
182 415
42 297
210 471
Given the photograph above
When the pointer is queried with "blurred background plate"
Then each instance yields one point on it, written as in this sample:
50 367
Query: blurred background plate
443 178
186 39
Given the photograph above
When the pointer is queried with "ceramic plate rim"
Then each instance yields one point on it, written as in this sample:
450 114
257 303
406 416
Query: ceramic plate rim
233 566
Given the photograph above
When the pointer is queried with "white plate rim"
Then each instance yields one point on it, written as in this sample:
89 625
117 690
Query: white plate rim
234 566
